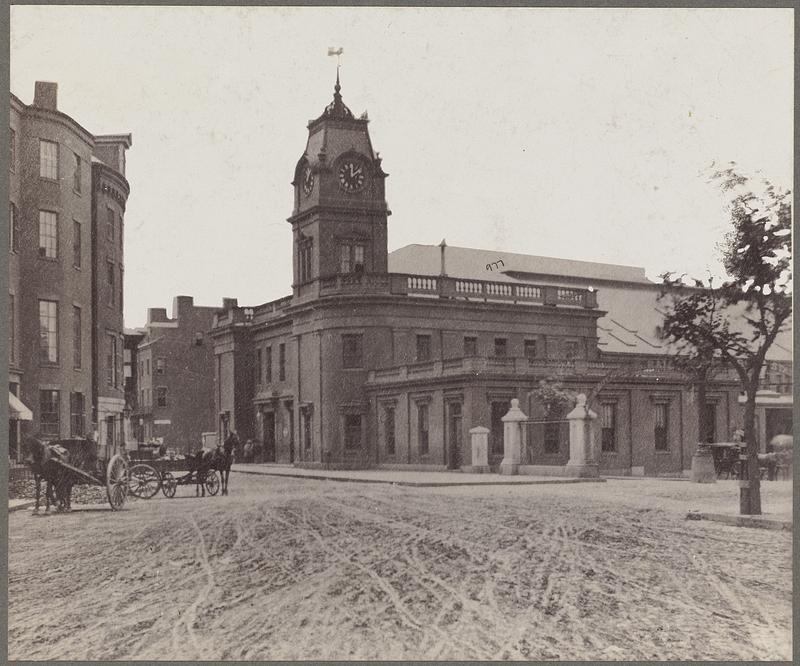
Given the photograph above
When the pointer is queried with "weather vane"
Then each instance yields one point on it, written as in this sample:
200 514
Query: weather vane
337 51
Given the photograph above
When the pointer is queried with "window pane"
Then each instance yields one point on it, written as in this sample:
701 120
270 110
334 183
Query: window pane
48 331
77 359
423 348
76 177
268 364
345 265
388 431
13 229
660 430
282 362
500 346
422 428
49 405
112 283
608 418
76 243
352 431
161 396
470 346
48 234
48 159
110 224
77 414
530 349
352 351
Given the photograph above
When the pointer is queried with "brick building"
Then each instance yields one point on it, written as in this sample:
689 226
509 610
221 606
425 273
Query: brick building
388 359
66 224
172 366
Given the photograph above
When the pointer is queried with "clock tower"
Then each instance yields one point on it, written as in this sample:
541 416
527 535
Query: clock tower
340 212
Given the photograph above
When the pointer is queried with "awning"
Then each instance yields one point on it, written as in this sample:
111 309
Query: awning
17 409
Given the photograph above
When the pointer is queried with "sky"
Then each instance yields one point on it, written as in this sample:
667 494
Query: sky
582 134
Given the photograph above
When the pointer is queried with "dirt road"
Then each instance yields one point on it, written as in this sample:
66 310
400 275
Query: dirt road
292 569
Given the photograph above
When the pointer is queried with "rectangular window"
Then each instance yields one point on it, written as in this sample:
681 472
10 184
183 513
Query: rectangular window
351 258
608 426
257 367
13 142
304 261
48 234
470 346
76 244
13 229
661 426
571 349
12 311
345 266
422 428
500 346
48 331
307 429
161 396
112 283
352 431
530 350
110 224
551 437
147 367
358 258
121 290
423 348
77 337
389 430
110 432
352 350
48 159
49 408
111 361
76 414
282 362
268 364
161 366
76 174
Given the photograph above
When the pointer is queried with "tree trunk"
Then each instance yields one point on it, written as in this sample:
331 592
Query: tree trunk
750 485
701 410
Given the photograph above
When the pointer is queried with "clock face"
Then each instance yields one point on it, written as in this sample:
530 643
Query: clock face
308 180
352 176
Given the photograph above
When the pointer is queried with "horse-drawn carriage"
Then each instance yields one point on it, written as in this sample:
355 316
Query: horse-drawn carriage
150 474
65 463
728 459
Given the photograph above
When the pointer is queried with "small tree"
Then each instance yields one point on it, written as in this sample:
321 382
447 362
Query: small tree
704 319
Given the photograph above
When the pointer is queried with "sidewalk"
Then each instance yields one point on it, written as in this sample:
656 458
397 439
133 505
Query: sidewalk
17 504
402 477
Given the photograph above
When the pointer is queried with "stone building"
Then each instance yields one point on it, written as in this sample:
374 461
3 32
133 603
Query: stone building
173 369
66 224
388 359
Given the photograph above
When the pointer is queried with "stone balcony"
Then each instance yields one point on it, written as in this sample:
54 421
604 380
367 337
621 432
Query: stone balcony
437 286
524 367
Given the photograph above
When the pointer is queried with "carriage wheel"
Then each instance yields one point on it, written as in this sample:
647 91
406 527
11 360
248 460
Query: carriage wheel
144 481
211 482
117 482
168 485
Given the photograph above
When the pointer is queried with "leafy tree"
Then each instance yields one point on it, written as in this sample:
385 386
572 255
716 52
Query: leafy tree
738 321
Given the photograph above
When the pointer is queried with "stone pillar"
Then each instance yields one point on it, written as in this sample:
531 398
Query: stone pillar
583 460
512 439
480 449
703 466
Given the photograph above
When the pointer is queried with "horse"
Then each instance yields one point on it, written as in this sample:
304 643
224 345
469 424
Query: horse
224 459
201 463
40 459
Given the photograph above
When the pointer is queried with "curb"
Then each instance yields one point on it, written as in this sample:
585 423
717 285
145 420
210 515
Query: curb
742 521
23 505
421 484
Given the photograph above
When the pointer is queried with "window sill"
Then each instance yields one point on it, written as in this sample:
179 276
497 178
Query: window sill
53 260
76 267
47 364
77 192
663 452
47 179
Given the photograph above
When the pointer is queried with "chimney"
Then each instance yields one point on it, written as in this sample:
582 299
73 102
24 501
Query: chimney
181 305
442 246
230 303
45 95
156 315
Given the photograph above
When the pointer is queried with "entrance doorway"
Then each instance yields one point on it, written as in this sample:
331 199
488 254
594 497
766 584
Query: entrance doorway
499 410
455 435
269 436
290 424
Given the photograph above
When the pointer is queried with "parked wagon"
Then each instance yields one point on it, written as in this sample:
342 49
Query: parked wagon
77 462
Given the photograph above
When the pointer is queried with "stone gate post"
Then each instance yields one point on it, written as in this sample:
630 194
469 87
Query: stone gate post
480 449
512 439
583 459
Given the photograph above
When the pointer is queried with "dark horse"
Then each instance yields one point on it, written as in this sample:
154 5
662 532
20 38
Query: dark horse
201 463
40 459
225 457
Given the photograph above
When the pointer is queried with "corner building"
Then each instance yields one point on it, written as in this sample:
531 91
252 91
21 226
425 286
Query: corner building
388 360
68 194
